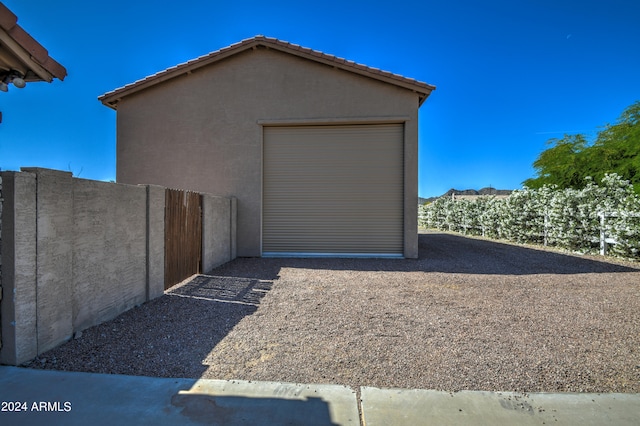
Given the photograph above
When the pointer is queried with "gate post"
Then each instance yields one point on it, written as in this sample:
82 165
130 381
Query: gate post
155 241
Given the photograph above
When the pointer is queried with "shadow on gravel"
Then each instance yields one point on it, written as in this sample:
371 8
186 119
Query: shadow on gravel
439 252
458 254
204 310
141 341
243 291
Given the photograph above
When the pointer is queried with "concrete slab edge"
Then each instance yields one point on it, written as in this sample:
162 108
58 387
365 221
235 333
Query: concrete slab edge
70 398
426 407
56 397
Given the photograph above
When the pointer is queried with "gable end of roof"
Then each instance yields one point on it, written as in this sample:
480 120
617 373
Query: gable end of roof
423 90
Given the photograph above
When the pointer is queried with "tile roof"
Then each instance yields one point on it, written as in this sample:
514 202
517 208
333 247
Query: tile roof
19 49
422 89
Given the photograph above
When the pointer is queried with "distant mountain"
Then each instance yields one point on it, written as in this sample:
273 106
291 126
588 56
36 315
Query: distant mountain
468 192
483 191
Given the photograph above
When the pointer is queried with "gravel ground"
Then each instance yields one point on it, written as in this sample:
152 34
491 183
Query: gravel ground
468 314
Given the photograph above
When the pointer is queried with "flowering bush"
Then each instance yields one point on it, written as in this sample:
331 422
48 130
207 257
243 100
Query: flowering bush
574 219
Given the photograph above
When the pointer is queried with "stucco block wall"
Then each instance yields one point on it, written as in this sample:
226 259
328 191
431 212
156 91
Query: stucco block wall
218 231
110 250
54 225
76 253
18 310
155 241
207 126
1 200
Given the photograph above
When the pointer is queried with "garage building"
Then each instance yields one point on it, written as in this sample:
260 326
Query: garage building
320 152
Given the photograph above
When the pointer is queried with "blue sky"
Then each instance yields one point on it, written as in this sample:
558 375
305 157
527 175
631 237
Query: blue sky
509 74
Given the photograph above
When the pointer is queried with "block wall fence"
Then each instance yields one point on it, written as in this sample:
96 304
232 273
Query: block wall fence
75 253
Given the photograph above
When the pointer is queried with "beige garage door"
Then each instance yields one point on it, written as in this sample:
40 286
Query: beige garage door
333 190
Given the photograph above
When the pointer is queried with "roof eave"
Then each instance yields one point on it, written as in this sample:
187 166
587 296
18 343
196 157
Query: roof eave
32 57
422 89
112 98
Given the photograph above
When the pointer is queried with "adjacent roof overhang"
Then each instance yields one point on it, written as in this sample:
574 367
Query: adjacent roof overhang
21 53
423 90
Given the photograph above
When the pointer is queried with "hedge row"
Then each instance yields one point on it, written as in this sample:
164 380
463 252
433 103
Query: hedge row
568 218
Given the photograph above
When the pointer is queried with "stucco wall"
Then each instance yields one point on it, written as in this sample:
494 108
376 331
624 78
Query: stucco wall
110 252
1 200
18 268
54 254
218 245
203 131
155 241
76 253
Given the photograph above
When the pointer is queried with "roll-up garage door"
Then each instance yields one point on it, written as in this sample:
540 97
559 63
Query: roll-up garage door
333 190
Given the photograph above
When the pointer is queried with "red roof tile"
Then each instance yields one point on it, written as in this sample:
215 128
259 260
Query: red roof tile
36 52
422 89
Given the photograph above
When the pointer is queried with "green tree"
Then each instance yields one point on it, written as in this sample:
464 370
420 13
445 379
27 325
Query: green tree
563 164
617 148
570 160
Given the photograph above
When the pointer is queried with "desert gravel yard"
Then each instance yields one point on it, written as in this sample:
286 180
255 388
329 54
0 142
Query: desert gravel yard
468 314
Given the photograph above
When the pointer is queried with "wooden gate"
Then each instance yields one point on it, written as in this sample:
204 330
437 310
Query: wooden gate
183 236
